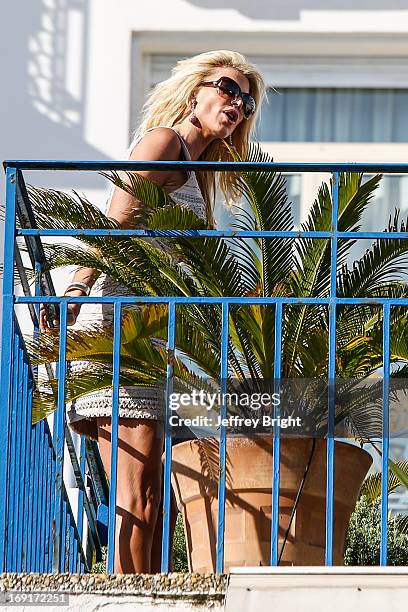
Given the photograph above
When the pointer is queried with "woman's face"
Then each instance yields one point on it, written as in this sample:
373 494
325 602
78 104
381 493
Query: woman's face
218 116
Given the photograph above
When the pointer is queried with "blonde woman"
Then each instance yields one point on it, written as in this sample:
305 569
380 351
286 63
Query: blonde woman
208 98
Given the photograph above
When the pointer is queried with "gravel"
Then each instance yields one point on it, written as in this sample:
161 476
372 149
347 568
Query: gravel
195 586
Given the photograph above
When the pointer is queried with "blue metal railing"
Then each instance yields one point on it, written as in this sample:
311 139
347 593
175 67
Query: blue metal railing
38 530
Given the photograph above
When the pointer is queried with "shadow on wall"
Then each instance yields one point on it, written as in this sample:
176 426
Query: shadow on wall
43 46
290 9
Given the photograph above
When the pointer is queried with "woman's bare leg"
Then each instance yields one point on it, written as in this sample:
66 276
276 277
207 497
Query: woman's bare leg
158 534
140 447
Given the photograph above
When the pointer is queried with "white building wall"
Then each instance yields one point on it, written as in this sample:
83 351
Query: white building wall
73 71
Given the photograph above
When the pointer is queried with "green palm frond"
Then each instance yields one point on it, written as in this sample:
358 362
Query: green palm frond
385 262
177 217
55 209
311 276
372 485
151 194
266 195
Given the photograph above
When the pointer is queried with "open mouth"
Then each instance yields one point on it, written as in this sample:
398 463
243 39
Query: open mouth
232 115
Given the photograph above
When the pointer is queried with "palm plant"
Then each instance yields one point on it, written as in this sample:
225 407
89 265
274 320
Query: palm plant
239 267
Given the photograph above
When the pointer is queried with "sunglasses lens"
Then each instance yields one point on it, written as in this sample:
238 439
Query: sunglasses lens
231 89
249 105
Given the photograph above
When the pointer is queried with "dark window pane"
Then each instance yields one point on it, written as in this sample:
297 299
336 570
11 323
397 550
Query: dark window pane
335 115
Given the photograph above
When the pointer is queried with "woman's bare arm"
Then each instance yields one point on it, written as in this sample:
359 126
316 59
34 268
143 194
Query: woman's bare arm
159 144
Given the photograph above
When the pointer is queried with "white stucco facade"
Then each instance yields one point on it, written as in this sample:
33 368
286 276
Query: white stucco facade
75 72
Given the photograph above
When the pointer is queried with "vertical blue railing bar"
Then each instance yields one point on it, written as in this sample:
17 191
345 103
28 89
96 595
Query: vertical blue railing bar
63 567
27 469
59 427
40 494
71 564
24 464
70 546
35 477
67 546
23 455
61 535
171 343
44 501
53 509
385 433
75 560
30 483
223 440
48 525
17 551
37 496
12 519
277 373
81 492
7 355
36 548
117 317
47 484
331 374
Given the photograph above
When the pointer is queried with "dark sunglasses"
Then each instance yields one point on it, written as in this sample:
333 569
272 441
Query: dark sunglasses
228 88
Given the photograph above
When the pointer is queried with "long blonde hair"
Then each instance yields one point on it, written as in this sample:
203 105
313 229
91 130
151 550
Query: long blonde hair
170 103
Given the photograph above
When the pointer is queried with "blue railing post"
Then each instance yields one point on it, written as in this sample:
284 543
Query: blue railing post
117 317
223 439
331 374
81 492
59 439
385 433
171 342
277 373
7 354
27 472
12 456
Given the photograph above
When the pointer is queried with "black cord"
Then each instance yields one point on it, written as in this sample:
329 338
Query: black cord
295 505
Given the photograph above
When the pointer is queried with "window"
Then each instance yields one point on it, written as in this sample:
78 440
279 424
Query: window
335 115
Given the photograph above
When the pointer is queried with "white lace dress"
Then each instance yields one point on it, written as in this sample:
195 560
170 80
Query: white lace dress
134 402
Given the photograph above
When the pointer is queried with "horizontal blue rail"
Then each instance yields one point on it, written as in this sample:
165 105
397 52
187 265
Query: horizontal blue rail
35 488
389 168
208 300
212 234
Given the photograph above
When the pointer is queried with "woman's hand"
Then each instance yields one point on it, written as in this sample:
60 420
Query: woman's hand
72 312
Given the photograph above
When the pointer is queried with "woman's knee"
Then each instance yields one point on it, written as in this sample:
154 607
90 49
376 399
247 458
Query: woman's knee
141 495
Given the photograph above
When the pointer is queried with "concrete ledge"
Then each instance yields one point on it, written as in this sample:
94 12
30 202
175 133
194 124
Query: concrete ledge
246 589
311 589
176 592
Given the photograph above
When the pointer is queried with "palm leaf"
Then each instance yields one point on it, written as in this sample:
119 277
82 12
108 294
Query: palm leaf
371 487
312 271
265 193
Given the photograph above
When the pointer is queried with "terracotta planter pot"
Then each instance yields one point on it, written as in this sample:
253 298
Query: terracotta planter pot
249 500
